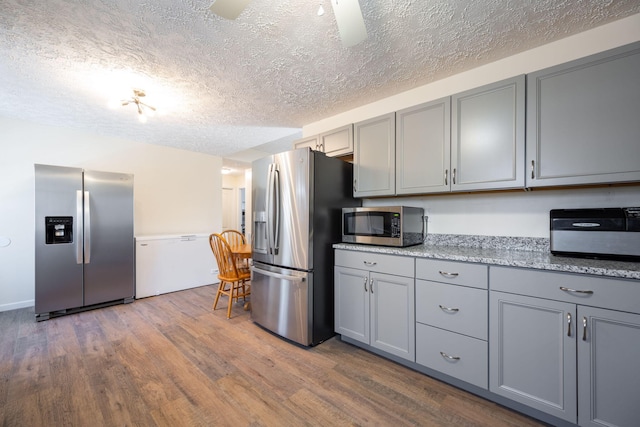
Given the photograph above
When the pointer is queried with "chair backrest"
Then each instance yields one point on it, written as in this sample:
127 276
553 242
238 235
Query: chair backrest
224 257
233 237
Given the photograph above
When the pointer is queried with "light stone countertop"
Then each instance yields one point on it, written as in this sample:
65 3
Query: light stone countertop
511 252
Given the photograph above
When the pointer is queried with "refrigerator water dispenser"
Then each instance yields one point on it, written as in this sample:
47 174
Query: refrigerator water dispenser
59 229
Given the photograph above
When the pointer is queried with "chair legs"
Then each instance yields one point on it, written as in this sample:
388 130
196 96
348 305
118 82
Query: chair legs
233 292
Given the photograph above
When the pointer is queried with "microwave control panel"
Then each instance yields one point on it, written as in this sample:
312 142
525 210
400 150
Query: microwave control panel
395 226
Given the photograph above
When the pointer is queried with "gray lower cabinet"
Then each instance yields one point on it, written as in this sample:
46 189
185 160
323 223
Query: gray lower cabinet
423 147
557 345
608 368
487 136
374 157
374 301
452 319
582 120
533 353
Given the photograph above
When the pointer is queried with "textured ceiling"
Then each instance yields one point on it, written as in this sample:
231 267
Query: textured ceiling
222 86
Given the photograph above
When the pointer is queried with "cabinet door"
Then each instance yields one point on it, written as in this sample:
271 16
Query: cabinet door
582 120
487 136
423 147
608 368
337 142
532 353
393 314
352 303
311 142
374 157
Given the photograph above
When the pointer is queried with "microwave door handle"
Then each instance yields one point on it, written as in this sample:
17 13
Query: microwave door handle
276 236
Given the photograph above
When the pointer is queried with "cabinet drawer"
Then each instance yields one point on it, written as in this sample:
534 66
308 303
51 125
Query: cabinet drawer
604 292
467 357
454 308
389 264
457 273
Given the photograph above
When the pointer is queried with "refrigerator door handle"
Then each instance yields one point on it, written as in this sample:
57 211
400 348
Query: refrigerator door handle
79 227
278 275
269 211
87 228
276 236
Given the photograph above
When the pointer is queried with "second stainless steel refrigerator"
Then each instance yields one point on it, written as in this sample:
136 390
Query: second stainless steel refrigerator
297 200
84 248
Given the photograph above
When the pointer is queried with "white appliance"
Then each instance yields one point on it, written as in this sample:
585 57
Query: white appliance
170 263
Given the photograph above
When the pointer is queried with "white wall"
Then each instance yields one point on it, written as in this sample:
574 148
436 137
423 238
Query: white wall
502 213
175 191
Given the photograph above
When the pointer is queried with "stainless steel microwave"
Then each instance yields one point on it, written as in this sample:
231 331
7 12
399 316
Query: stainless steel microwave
384 225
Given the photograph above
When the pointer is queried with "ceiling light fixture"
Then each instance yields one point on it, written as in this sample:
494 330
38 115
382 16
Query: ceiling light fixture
225 171
320 11
141 106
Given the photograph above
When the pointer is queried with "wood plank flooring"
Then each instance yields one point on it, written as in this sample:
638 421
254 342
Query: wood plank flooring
170 360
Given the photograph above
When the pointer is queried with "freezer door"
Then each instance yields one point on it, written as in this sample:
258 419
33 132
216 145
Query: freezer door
281 302
58 262
109 240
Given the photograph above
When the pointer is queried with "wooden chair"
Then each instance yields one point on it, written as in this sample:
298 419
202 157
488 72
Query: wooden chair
233 279
236 238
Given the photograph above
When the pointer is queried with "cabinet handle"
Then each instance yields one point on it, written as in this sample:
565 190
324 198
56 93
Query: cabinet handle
584 328
446 356
448 275
453 176
370 263
365 285
568 324
448 309
322 147
575 291
533 168
354 185
446 177
371 285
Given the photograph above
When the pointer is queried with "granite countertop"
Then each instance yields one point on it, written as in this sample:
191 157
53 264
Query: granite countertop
504 251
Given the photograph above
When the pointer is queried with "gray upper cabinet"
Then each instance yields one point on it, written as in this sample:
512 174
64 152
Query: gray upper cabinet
337 142
374 157
583 121
311 142
423 141
487 137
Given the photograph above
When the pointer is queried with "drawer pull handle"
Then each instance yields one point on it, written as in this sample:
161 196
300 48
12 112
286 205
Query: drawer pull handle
446 356
568 324
448 309
584 329
369 263
575 291
365 285
448 275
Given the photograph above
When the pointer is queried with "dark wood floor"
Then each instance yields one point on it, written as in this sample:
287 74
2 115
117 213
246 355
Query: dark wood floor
171 361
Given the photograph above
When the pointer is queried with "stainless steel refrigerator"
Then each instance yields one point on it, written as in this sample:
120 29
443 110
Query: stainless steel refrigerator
297 201
84 242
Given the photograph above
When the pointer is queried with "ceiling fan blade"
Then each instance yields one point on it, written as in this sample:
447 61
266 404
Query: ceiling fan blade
229 9
350 21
